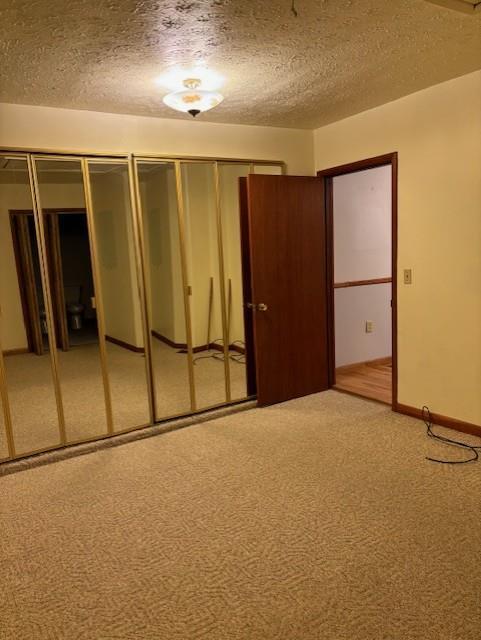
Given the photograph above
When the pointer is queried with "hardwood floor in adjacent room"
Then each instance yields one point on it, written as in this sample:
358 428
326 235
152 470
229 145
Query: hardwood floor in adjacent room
368 379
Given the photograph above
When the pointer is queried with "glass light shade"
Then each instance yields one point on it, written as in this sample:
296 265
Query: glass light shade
193 99
173 80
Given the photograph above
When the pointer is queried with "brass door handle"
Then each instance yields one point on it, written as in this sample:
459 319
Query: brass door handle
261 307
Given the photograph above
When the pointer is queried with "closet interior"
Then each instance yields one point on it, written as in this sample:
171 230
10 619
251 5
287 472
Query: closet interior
121 294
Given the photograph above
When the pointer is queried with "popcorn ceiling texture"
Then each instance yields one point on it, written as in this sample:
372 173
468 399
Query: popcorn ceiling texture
335 59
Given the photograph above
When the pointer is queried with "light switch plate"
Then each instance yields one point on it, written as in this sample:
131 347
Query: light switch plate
408 276
369 326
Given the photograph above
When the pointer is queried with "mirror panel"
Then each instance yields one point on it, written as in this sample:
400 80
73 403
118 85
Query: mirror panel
202 249
23 323
3 432
229 174
164 284
68 253
117 264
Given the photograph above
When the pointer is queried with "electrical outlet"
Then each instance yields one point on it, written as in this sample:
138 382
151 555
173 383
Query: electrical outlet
408 276
369 326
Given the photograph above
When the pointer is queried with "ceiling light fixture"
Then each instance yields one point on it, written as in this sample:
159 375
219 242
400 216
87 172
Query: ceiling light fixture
192 99
192 91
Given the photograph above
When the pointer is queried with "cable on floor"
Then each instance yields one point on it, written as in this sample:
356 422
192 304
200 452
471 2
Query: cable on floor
455 443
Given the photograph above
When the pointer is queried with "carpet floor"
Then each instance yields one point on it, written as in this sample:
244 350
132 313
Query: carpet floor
315 519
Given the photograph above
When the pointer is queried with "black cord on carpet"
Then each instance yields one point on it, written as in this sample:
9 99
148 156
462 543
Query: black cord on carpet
455 443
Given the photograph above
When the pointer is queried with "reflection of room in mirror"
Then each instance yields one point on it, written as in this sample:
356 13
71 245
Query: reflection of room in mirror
74 307
229 175
72 330
204 272
117 265
23 335
158 196
4 452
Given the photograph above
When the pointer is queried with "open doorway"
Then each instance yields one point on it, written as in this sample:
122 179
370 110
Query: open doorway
70 275
362 245
70 268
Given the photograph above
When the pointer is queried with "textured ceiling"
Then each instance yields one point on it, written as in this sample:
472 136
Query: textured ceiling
335 59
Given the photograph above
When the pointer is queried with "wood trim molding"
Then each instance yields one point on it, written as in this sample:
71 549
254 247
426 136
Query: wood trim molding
443 421
459 5
125 345
361 283
361 165
167 341
16 352
347 367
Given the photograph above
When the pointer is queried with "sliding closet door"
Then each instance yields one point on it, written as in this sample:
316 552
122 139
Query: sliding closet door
26 341
167 304
205 273
65 218
229 174
5 450
117 261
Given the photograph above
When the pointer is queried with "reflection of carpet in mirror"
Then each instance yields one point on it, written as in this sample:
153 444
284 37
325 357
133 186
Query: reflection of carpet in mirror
34 409
172 382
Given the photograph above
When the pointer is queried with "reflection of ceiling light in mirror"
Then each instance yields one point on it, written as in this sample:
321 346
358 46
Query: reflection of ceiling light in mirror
195 96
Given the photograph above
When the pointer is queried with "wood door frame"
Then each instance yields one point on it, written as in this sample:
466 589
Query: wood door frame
328 175
56 281
22 249
250 351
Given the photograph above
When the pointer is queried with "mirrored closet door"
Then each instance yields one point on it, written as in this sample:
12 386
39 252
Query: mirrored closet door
76 308
31 394
229 174
164 270
206 286
5 447
118 272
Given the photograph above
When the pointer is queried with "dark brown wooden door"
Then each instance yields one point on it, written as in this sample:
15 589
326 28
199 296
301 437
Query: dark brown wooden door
54 261
287 246
22 245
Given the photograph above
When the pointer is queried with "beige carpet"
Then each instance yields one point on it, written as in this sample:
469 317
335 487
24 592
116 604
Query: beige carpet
34 409
316 519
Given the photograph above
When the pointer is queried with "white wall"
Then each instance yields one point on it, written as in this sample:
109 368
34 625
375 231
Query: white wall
362 251
12 328
162 249
116 253
362 225
49 128
198 184
437 134
353 306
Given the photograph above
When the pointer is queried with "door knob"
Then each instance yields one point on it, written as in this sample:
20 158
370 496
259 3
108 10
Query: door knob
250 305
261 307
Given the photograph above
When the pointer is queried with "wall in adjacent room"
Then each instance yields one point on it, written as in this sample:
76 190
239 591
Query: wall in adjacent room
362 251
437 133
